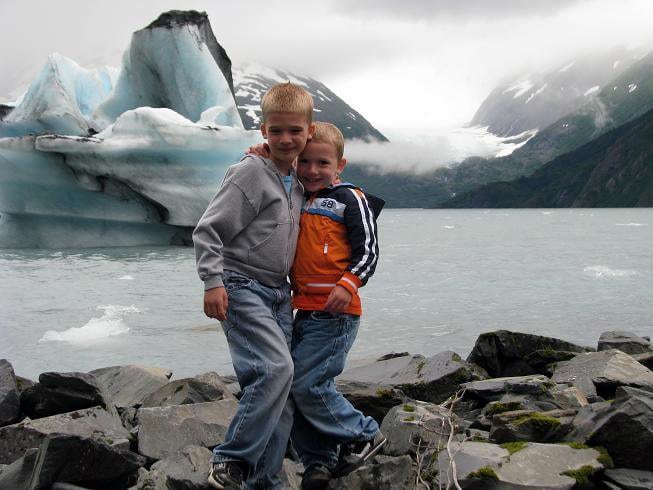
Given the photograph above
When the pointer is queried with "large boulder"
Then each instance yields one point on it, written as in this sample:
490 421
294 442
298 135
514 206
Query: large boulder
526 425
165 430
129 385
372 399
505 353
204 388
627 342
432 379
91 422
60 393
9 400
416 425
602 372
624 428
469 457
83 461
386 473
493 389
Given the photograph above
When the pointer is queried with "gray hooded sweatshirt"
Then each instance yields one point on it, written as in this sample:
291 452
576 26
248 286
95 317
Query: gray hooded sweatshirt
251 225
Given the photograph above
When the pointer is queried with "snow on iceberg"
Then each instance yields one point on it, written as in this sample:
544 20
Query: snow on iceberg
175 62
60 99
174 163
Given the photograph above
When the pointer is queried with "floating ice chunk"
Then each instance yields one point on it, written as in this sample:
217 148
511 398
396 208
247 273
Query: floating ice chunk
110 324
632 87
175 163
127 277
600 271
59 99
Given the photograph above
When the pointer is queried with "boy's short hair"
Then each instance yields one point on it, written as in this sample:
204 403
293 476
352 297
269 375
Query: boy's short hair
328 133
288 97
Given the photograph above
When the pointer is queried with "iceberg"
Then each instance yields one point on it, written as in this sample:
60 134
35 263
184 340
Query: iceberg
122 157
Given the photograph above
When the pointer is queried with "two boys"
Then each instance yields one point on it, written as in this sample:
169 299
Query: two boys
245 243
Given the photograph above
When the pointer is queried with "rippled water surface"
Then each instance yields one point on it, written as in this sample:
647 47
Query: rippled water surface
444 277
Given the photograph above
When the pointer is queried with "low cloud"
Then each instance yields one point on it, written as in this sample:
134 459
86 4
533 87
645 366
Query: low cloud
461 10
423 153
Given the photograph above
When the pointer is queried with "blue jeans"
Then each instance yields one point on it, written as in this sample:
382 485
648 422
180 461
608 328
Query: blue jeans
323 417
259 332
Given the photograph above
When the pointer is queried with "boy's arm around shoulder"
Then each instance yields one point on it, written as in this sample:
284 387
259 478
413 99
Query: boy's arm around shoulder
360 220
229 212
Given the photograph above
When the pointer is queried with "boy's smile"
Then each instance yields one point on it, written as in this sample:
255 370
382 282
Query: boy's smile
286 133
318 166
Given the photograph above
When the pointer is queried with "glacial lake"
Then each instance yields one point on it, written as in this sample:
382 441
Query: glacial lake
444 277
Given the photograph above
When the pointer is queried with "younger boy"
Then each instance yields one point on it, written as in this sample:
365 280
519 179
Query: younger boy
337 253
244 244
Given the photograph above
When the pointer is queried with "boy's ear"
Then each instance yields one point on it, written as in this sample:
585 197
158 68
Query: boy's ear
341 165
264 131
311 131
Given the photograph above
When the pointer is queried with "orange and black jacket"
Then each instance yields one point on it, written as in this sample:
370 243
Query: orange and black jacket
337 245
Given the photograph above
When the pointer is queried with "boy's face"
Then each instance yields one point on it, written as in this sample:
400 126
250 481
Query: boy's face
318 166
287 133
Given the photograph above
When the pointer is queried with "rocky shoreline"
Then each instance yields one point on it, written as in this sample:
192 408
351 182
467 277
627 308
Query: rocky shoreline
522 412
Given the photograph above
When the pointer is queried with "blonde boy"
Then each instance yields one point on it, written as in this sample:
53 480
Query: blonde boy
244 244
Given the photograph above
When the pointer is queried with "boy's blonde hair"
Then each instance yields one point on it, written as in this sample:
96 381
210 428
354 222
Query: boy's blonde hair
288 97
328 133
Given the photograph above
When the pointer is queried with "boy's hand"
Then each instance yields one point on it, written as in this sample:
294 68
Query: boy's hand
338 300
215 303
262 150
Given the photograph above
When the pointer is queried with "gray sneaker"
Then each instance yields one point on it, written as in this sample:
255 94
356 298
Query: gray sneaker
226 475
355 454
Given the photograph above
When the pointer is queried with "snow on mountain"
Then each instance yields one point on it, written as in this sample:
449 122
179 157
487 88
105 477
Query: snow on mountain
535 100
252 80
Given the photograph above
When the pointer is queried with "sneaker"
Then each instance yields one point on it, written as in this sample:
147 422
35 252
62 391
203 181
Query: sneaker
356 453
316 477
226 475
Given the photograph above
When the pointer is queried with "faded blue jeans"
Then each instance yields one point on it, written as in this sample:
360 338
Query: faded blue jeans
259 332
323 417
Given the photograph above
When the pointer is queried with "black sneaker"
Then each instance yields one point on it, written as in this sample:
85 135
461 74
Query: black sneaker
356 453
226 475
316 477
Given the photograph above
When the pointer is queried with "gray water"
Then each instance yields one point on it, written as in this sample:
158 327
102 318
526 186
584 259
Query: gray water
444 277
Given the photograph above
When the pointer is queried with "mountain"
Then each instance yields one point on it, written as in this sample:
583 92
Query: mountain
251 81
613 170
533 101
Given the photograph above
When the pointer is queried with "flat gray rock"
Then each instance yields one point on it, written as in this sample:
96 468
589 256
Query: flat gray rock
630 479
414 425
541 466
91 422
627 342
185 469
469 456
204 388
431 379
605 370
9 400
129 385
166 430
387 473
492 389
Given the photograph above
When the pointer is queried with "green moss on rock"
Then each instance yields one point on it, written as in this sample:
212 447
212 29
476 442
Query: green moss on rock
408 408
539 422
503 407
513 447
582 475
484 473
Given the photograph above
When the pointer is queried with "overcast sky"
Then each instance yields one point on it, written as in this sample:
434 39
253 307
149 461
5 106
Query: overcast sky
402 64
